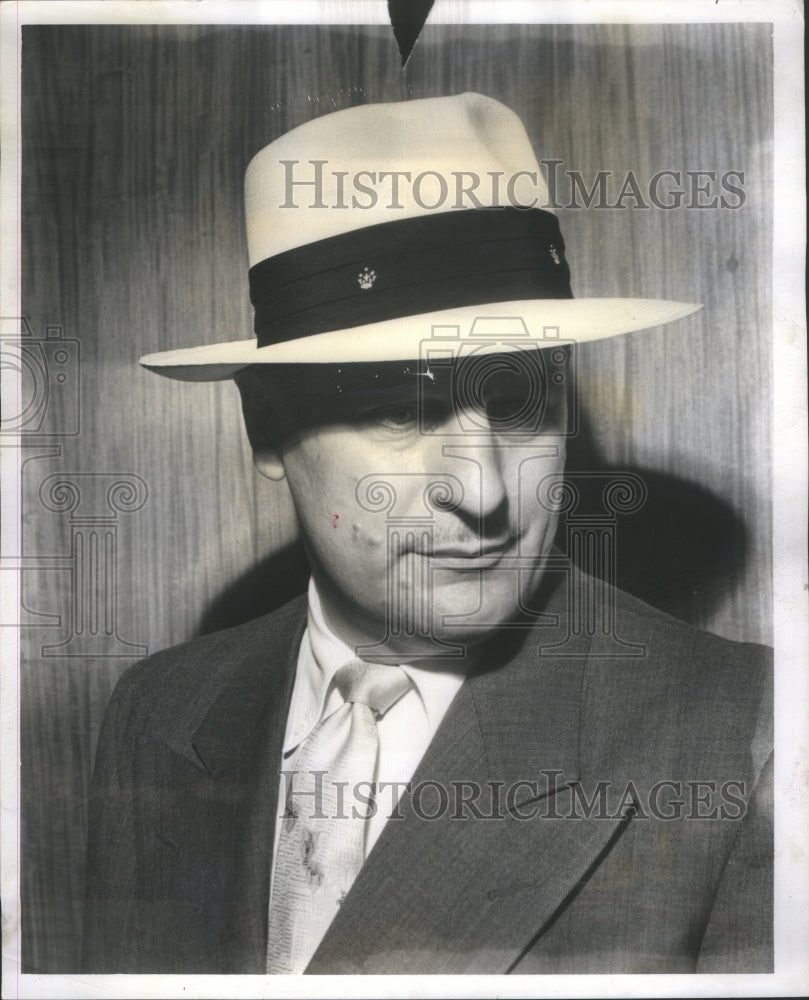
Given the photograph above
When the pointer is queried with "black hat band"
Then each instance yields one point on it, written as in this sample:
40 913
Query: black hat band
407 267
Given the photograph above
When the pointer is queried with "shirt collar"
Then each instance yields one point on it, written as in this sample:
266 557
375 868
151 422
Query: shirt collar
321 655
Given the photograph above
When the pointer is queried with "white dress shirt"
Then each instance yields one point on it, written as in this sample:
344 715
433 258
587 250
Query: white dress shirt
405 731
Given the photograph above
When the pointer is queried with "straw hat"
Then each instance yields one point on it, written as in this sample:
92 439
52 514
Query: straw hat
373 227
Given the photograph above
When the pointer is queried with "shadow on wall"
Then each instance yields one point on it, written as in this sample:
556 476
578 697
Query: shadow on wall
681 550
270 583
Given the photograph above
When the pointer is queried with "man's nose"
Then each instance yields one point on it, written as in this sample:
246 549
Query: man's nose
479 460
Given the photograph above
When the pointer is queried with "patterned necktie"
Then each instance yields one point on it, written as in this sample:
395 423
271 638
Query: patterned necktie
321 844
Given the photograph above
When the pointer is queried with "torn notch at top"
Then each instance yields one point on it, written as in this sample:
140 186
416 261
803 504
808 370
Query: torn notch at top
407 18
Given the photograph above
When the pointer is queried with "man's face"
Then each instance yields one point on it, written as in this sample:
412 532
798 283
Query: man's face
418 500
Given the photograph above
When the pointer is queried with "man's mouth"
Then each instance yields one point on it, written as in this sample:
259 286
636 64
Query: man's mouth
481 553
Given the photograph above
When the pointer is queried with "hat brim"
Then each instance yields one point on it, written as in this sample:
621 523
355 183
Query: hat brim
406 338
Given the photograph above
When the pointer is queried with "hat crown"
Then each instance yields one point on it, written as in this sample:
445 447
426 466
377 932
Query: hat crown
377 163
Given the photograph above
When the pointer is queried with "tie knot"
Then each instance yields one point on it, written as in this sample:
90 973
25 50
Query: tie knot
372 684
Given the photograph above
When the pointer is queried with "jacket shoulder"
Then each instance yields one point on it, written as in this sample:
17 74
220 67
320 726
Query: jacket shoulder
186 678
681 689
671 638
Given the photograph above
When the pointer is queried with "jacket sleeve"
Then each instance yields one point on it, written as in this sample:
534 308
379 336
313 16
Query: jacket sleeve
739 934
110 915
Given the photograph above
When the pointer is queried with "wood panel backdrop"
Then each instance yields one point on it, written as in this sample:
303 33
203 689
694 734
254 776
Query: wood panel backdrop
135 141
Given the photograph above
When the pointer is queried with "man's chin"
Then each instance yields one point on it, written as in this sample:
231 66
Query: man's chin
479 600
462 613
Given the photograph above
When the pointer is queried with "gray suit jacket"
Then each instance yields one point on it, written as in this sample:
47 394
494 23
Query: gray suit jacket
633 831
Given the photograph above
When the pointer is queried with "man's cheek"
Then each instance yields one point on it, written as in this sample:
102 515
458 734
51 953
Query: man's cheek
533 480
365 537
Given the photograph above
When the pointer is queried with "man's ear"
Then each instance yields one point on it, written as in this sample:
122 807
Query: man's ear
259 420
269 463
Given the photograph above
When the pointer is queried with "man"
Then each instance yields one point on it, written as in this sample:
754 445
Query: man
459 753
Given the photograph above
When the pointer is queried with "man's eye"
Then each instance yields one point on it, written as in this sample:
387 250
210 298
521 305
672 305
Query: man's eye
509 408
408 417
397 418
503 407
515 407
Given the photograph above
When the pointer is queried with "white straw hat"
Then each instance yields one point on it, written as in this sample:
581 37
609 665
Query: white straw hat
369 228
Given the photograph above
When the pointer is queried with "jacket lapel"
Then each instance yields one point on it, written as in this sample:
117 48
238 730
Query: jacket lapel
461 893
221 823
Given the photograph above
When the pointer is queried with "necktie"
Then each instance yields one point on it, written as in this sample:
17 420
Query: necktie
321 844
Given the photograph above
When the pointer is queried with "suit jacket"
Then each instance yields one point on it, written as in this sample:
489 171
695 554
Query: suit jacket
632 832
